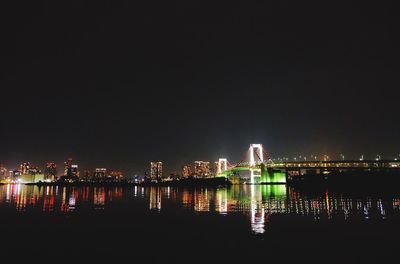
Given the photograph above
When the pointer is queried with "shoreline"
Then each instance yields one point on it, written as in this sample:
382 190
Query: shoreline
212 182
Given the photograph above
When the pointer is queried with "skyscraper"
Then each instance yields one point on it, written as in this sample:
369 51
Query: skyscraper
67 167
24 167
50 171
215 168
27 169
3 172
156 171
186 171
202 169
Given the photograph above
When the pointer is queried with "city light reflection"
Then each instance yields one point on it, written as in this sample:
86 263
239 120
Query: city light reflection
259 203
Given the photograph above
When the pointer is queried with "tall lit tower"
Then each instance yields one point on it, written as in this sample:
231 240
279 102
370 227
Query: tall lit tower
222 165
258 150
67 167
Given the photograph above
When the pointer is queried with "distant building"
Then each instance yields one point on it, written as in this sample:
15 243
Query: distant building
100 173
24 167
156 170
30 178
70 170
116 175
74 171
50 172
174 176
202 169
215 168
27 169
86 175
67 167
186 171
3 172
15 174
28 174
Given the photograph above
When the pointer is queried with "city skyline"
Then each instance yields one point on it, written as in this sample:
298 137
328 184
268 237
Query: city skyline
190 166
120 87
200 131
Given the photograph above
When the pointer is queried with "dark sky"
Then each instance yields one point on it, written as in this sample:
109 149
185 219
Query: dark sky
120 83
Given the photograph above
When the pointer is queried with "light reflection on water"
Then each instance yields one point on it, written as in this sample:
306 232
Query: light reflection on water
257 203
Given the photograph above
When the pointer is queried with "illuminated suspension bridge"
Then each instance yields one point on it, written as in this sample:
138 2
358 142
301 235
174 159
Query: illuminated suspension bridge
253 168
257 167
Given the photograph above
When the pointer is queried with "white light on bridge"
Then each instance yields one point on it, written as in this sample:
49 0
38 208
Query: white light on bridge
222 165
259 151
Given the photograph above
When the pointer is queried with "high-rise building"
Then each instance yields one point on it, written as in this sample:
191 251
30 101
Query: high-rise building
156 170
24 167
186 171
3 172
27 169
215 168
50 172
100 173
70 170
28 174
67 167
74 171
202 169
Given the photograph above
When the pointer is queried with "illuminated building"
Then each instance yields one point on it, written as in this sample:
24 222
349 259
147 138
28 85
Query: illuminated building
70 170
50 172
100 173
156 170
3 172
116 175
202 168
24 167
215 168
30 178
67 167
74 171
86 175
28 174
186 171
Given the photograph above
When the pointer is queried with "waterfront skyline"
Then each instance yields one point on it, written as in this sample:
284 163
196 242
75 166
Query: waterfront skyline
155 170
118 85
199 131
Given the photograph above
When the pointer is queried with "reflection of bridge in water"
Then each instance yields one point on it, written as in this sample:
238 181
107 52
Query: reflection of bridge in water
259 203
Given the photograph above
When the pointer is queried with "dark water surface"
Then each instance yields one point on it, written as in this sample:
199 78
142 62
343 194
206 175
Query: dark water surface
184 225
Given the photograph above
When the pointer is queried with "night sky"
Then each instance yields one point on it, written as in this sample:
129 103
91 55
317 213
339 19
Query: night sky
117 84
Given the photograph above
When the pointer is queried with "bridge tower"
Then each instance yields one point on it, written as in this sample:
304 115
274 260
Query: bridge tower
258 150
222 165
